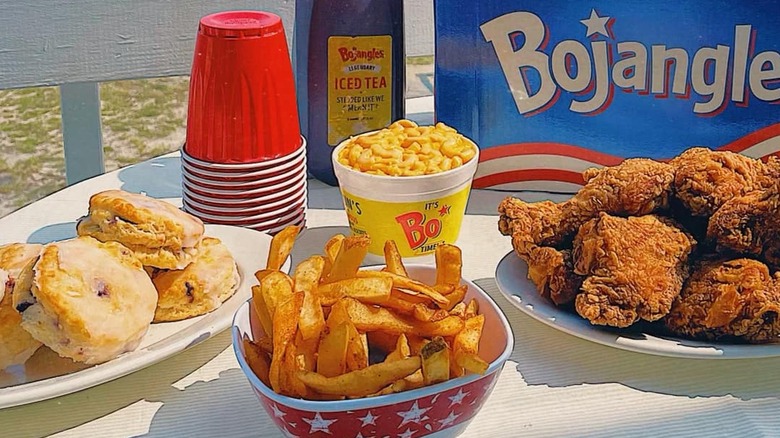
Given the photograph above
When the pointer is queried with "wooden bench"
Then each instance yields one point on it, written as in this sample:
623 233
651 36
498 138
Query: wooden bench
78 44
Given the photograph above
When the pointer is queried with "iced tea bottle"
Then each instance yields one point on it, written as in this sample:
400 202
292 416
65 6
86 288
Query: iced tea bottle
356 74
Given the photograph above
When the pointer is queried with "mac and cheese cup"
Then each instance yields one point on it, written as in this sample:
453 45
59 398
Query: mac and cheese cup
417 211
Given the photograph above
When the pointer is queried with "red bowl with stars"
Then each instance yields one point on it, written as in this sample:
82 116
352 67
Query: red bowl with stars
443 409
418 212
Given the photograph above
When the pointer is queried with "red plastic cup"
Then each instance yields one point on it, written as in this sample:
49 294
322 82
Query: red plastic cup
242 105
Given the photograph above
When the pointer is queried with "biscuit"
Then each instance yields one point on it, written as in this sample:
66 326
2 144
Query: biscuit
87 300
16 345
167 235
161 258
199 288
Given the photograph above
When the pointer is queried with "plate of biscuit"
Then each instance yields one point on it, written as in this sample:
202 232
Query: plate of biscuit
142 281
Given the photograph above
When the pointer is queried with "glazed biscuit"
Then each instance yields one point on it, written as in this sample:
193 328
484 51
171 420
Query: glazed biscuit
161 258
199 288
163 235
87 300
16 344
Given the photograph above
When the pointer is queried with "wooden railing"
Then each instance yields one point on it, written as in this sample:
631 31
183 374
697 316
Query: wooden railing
79 43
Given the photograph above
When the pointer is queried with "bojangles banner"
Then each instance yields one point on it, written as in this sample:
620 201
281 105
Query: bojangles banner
548 89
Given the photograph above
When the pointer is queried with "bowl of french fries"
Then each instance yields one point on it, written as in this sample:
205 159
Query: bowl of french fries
338 349
406 183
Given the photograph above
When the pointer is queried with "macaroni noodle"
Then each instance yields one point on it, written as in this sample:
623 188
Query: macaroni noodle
406 149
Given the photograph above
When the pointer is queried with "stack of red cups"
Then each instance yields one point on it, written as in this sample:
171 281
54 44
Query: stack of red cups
244 161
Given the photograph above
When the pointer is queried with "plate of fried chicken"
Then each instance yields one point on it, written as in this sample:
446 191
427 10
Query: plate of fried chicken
676 258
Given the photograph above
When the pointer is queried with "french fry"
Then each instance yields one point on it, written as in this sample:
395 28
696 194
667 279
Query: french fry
290 383
332 247
368 290
332 351
393 259
281 246
455 297
401 351
312 319
266 343
351 253
416 344
285 324
306 275
455 369
410 382
306 352
411 297
275 288
369 318
435 361
448 264
338 313
466 346
260 275
459 310
424 313
258 303
361 382
257 359
357 349
402 282
404 302
471 363
472 309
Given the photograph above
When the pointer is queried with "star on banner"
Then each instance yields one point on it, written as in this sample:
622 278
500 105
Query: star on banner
458 398
413 415
596 24
318 424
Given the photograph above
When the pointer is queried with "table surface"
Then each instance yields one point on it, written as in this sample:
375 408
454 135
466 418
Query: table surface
554 384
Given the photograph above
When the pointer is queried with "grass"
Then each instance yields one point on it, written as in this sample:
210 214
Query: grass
141 119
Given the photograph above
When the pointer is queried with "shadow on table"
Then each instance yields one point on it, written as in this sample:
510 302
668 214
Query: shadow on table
158 178
225 406
572 361
153 383
53 232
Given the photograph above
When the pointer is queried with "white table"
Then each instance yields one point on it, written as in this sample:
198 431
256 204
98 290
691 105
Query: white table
554 384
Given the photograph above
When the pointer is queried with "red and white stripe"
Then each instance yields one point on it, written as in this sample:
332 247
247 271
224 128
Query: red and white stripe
556 167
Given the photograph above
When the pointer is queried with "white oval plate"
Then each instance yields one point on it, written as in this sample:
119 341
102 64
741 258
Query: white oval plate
46 375
513 282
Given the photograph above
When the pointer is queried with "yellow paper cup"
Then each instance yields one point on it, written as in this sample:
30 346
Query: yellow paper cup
417 212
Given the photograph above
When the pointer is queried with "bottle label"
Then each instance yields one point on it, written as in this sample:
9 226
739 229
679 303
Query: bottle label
360 73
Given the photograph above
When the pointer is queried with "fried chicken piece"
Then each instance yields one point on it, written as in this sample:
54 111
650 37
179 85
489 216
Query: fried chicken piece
705 179
634 267
635 187
750 224
550 269
728 299
529 222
